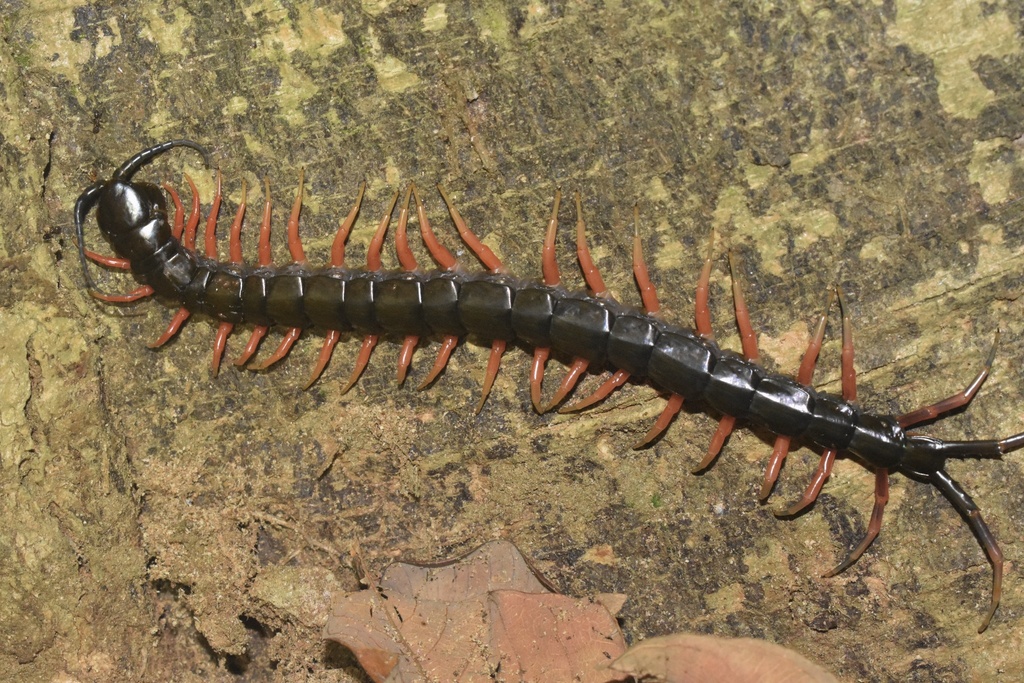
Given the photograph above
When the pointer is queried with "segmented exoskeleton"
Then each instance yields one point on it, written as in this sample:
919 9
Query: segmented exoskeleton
589 327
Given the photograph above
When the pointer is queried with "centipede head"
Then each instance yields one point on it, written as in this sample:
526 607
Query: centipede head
131 215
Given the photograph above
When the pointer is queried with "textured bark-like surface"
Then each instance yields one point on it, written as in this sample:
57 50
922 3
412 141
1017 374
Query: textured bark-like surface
158 523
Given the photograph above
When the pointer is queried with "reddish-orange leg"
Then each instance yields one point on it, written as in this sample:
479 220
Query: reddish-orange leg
552 278
803 376
702 317
140 292
187 234
595 283
235 252
828 458
444 258
748 339
373 263
493 264
408 262
915 417
263 259
298 257
337 261
649 297
108 261
674 405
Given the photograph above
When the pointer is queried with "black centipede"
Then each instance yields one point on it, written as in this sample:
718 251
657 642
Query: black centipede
450 304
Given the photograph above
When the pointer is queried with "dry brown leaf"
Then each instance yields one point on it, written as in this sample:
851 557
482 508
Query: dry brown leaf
487 613
689 658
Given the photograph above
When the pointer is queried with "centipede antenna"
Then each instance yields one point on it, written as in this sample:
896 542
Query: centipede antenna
130 167
82 206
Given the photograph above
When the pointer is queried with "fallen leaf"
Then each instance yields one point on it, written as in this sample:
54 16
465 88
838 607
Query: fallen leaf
487 616
689 658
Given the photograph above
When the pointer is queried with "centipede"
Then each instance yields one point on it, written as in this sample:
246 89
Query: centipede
449 304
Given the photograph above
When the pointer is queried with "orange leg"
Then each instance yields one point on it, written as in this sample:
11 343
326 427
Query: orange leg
822 472
549 264
648 293
258 333
702 313
614 381
189 237
804 376
725 426
590 272
138 293
235 234
219 343
172 328
482 251
540 357
210 236
338 246
448 345
373 261
263 259
674 405
362 360
552 277
437 251
294 243
405 357
828 458
405 255
953 402
493 361
572 376
179 211
874 525
108 261
330 341
283 348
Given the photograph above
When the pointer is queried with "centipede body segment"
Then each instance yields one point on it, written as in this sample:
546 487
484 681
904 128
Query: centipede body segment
588 327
